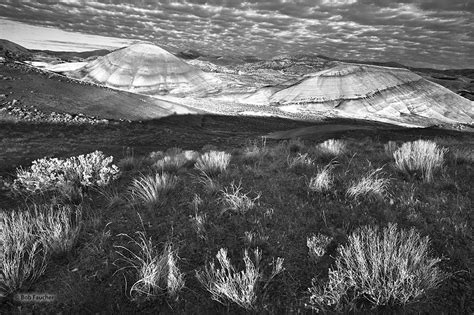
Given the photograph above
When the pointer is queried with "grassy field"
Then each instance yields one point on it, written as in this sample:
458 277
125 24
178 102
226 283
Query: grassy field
209 217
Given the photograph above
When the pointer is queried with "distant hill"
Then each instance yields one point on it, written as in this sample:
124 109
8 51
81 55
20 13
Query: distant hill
70 56
188 54
13 51
10 50
148 69
369 91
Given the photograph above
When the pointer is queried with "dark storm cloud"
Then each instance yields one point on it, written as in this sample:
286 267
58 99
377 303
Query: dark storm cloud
416 32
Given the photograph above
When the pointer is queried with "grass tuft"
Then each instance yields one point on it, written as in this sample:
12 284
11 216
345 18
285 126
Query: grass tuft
332 148
323 180
150 190
233 199
213 163
372 185
58 227
156 271
174 162
225 283
421 158
22 254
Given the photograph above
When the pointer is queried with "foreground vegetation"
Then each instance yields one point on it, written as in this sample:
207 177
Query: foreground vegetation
331 226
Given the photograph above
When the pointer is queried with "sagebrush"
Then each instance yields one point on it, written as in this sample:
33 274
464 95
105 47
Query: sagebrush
381 267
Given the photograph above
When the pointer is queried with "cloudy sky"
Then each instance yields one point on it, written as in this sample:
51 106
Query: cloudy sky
437 33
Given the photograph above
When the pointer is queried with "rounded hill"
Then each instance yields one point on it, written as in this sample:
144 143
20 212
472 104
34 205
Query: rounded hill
148 69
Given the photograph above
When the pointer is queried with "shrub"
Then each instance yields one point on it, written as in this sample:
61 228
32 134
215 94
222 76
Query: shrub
52 174
239 287
22 254
371 185
236 201
150 190
332 147
317 245
213 163
157 272
382 268
323 180
420 158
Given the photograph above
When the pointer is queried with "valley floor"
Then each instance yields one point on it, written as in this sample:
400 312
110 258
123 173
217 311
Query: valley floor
275 174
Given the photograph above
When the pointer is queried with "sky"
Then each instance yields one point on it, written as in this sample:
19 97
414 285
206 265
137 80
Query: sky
426 33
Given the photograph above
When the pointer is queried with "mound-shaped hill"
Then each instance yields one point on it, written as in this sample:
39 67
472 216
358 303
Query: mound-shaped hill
148 69
14 51
366 90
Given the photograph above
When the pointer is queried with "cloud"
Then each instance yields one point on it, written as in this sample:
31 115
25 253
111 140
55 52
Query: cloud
415 32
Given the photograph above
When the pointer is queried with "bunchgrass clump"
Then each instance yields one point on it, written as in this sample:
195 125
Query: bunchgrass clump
332 148
233 199
323 180
210 183
421 158
213 163
156 272
377 267
225 283
58 227
23 256
372 185
111 195
174 162
150 190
